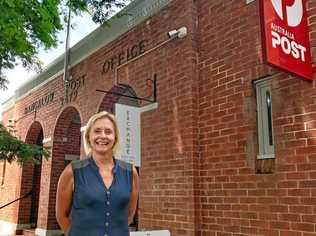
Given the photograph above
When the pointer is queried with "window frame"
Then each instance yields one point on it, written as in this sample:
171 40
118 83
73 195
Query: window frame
265 119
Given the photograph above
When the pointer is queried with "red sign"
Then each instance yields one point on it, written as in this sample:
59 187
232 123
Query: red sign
286 41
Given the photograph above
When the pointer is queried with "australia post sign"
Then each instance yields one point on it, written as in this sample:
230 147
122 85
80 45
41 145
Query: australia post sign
286 40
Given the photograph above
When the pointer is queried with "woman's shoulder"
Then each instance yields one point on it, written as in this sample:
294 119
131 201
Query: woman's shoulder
78 164
124 165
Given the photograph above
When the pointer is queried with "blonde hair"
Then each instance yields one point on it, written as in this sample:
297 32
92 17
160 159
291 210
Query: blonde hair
92 120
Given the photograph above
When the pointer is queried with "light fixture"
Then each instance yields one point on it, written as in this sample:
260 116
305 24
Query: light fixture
180 33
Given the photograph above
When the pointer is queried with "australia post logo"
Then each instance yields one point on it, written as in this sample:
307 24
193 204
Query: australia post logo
293 15
286 36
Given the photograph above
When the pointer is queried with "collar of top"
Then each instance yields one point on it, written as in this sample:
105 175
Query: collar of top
95 166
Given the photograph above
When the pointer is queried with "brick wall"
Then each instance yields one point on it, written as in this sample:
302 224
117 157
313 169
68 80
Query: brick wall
11 186
66 141
234 199
30 180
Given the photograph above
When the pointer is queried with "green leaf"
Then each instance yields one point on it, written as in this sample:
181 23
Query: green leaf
26 26
12 149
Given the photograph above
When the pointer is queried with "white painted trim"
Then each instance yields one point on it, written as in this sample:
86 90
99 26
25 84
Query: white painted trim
151 233
83 128
262 80
266 151
45 232
7 228
149 107
265 156
39 85
46 140
23 226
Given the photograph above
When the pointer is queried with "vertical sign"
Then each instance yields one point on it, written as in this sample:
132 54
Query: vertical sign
128 119
286 37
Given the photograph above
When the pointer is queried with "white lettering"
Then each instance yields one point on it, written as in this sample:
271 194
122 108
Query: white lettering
275 39
295 52
288 46
303 50
282 31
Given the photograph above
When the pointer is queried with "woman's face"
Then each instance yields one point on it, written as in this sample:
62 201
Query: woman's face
102 136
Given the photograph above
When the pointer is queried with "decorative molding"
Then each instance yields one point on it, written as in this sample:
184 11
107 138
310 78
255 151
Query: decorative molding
151 233
8 228
46 140
149 107
45 232
23 226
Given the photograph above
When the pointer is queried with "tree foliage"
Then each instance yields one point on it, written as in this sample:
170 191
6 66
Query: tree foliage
29 25
12 149
100 10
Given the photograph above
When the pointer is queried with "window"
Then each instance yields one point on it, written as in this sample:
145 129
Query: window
264 118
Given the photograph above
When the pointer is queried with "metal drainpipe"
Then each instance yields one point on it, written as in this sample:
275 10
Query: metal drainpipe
66 60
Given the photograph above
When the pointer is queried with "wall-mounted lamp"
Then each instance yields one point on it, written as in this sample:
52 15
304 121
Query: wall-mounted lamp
173 34
11 126
11 123
180 33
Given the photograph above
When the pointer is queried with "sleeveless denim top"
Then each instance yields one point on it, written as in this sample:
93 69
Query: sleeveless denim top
97 210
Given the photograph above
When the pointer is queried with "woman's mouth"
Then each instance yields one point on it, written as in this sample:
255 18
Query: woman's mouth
102 143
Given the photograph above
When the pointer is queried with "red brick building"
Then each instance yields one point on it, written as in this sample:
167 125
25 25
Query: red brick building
212 162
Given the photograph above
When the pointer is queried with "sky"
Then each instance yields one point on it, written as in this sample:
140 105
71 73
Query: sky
83 25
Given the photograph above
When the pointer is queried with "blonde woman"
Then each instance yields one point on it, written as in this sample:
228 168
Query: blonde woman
98 196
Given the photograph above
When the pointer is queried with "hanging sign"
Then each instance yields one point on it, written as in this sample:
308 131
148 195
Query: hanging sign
286 38
128 119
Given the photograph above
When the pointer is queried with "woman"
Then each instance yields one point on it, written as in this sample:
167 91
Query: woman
98 196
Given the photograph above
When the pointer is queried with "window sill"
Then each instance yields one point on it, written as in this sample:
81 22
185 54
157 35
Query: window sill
265 156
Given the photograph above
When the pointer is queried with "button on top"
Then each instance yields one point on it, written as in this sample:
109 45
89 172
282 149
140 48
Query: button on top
108 192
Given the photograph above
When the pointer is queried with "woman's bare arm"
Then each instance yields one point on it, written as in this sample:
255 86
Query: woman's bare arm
134 197
64 198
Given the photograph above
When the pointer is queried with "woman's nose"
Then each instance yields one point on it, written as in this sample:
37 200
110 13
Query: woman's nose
103 134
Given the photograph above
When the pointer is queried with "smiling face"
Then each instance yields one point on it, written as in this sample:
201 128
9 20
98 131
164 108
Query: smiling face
102 136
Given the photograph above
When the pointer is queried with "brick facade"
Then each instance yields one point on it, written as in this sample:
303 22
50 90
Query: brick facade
200 174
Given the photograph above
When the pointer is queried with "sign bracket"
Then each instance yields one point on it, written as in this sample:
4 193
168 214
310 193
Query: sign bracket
153 95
